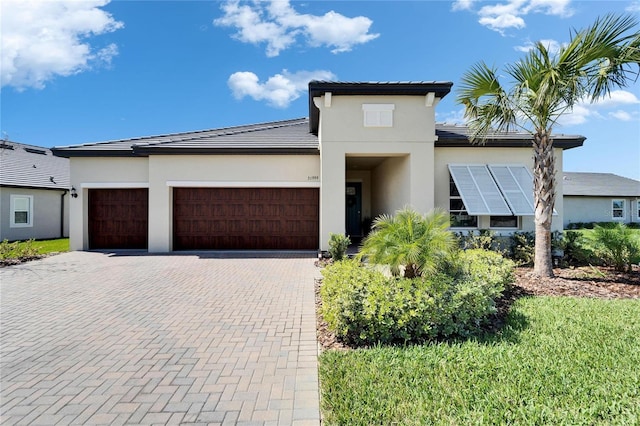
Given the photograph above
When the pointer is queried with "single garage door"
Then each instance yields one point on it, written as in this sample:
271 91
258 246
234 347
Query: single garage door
118 218
245 218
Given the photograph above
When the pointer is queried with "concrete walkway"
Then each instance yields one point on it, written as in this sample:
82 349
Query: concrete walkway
94 338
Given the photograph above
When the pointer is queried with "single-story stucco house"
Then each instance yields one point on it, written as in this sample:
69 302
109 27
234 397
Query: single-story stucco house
366 149
34 199
600 197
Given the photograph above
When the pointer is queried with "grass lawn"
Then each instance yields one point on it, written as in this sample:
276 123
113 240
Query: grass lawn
16 250
52 246
559 360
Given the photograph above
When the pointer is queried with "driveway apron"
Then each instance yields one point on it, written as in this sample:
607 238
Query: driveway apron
124 338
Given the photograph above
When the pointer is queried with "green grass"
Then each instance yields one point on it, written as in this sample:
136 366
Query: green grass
52 246
558 361
30 249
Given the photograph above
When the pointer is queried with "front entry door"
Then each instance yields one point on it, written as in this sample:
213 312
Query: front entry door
354 209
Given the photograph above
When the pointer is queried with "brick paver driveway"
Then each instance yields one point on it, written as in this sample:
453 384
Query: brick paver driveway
95 338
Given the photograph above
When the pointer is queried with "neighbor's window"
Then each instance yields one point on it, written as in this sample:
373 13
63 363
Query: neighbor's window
638 210
458 215
503 222
21 211
378 115
617 209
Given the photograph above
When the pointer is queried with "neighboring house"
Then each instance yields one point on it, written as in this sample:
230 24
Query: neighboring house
366 149
34 199
600 197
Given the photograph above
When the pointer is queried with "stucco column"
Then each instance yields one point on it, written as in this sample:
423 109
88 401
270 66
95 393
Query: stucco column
422 187
332 200
159 209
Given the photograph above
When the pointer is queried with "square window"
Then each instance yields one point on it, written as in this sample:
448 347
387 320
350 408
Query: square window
21 211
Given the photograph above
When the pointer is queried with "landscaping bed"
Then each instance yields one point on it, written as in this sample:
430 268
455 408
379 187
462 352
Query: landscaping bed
591 281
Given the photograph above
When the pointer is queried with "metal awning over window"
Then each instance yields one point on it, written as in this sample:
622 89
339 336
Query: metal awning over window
495 189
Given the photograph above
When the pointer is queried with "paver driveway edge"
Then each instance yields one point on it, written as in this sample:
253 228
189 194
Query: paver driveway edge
198 338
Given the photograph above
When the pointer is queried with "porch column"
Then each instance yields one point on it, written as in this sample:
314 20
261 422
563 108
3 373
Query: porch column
332 204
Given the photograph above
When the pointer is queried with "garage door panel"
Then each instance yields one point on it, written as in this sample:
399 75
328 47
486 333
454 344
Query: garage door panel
118 218
246 218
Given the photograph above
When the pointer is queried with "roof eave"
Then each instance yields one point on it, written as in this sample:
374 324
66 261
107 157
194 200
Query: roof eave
68 153
151 150
506 143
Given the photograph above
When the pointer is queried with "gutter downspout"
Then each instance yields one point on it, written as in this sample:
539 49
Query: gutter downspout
64 192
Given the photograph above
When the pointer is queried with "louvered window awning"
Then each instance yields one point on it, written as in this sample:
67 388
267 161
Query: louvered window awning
494 189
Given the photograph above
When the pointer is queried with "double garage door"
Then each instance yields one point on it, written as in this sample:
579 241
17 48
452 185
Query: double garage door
209 218
245 218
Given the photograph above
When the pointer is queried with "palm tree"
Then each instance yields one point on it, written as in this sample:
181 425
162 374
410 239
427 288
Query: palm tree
409 241
545 86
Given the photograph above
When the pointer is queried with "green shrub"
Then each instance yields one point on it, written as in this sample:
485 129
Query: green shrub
576 250
523 248
363 306
18 250
619 246
338 245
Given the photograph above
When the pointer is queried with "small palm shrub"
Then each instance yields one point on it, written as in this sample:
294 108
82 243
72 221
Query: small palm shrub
18 251
619 246
576 250
363 306
338 245
410 243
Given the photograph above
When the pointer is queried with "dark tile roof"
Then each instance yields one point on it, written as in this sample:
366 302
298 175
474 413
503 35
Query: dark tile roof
599 185
32 166
455 135
289 137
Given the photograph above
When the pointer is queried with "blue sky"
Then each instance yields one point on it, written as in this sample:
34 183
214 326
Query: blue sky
93 70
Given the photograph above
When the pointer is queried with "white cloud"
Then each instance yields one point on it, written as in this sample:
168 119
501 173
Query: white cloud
510 14
617 100
279 90
621 115
278 25
44 39
462 5
633 7
552 46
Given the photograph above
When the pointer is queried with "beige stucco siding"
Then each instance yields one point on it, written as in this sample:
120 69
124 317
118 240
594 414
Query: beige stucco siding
168 171
100 172
486 155
405 176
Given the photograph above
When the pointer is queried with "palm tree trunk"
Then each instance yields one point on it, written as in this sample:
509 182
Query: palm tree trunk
544 199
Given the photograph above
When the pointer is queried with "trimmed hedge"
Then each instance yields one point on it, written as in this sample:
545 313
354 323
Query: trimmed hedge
363 306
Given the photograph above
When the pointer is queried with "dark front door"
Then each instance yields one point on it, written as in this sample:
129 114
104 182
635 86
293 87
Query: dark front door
354 209
118 218
245 218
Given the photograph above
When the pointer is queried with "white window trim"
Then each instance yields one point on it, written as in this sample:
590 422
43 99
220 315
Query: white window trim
624 209
12 219
638 209
378 115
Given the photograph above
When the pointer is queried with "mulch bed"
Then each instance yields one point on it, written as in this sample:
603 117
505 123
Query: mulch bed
596 282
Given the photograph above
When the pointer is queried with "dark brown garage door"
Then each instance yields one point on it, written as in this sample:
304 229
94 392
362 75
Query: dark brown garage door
118 218
245 218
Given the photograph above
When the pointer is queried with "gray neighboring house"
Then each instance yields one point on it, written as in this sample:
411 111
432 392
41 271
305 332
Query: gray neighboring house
600 197
34 193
